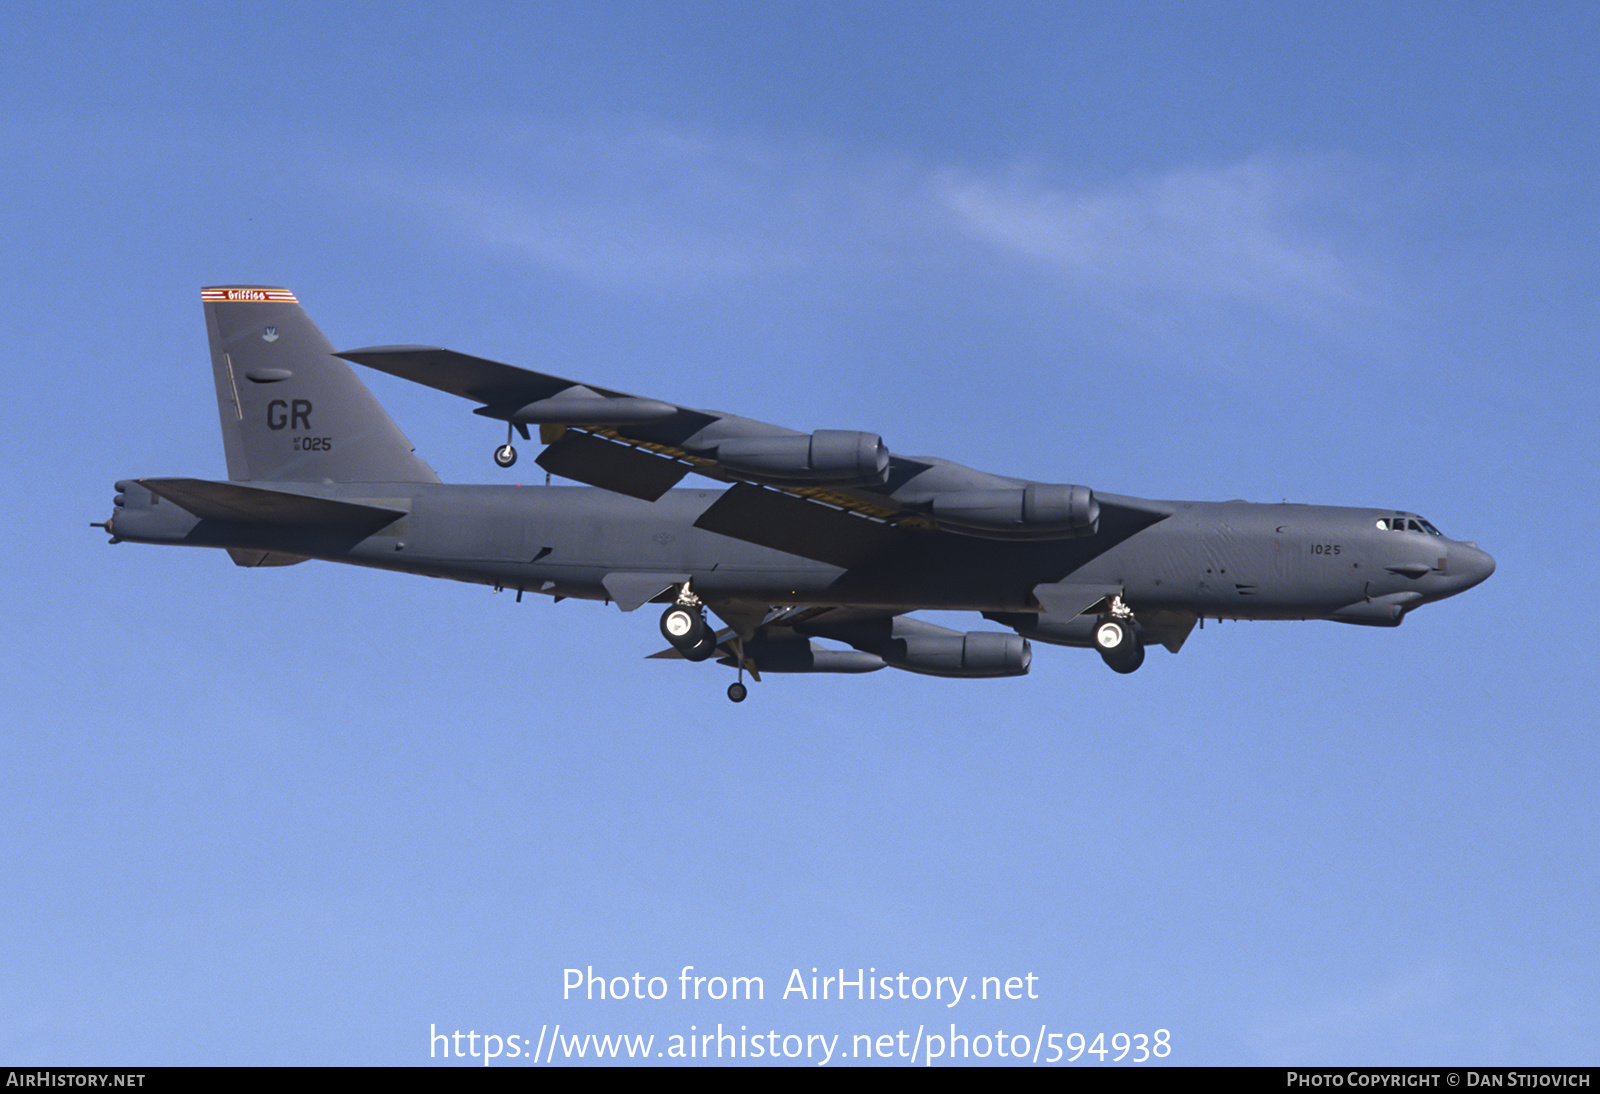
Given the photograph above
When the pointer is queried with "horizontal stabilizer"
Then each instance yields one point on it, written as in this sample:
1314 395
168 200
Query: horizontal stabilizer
231 501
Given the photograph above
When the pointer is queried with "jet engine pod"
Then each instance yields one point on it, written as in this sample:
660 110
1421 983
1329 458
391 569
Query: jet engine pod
1038 510
834 457
976 653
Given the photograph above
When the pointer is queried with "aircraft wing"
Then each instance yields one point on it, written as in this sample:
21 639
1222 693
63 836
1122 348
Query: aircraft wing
838 496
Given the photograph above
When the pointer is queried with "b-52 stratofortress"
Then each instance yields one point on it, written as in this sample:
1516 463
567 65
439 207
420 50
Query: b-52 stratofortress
803 536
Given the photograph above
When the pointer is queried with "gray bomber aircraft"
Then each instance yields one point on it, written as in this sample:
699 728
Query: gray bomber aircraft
804 536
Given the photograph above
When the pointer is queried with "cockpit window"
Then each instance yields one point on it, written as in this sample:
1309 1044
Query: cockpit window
1408 524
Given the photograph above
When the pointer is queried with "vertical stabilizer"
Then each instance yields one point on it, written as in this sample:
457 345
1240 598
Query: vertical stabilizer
292 411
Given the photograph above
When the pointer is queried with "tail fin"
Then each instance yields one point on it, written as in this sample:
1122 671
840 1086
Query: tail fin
291 411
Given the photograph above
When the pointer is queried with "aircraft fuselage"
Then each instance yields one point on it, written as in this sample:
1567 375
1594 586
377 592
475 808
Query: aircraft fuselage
1231 559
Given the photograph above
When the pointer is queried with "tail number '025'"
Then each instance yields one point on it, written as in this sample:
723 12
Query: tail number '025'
1326 548
313 444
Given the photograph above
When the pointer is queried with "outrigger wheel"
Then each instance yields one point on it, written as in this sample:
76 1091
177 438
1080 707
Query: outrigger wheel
505 455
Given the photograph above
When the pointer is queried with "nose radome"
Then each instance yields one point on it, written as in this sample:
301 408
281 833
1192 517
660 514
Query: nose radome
1470 565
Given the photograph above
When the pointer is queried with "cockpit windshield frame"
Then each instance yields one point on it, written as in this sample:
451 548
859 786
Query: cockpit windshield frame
1408 522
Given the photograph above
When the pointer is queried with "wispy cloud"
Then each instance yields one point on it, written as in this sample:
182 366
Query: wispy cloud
658 209
1271 232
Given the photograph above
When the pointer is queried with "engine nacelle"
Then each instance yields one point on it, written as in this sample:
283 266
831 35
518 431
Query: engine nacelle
976 653
835 457
1038 509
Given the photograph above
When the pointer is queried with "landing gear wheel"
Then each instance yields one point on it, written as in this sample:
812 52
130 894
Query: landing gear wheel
1129 662
737 692
679 624
1113 637
1118 643
688 632
703 646
505 456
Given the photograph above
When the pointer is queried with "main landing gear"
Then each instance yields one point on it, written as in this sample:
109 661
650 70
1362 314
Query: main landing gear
684 625
1117 639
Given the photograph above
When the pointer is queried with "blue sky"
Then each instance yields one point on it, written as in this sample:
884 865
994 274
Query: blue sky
1335 253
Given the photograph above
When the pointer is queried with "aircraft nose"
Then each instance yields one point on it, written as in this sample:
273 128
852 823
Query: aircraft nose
1469 565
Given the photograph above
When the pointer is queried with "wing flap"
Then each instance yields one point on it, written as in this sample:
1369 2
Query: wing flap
620 468
786 522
